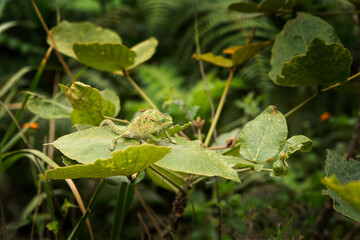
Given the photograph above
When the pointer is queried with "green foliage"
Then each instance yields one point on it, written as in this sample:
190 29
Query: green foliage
190 157
295 38
343 184
308 70
263 137
89 105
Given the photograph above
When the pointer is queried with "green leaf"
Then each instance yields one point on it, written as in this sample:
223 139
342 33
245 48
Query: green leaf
346 171
89 145
269 6
263 137
190 157
323 64
295 37
125 162
105 56
214 59
296 143
348 192
241 54
66 34
244 6
242 163
47 108
144 51
89 106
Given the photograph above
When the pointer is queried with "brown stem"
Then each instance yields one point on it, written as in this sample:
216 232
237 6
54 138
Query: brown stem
59 56
177 209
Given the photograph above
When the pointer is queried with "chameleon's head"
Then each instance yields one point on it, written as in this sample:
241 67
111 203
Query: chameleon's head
166 122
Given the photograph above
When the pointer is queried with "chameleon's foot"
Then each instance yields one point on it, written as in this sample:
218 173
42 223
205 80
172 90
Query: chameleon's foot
113 143
170 138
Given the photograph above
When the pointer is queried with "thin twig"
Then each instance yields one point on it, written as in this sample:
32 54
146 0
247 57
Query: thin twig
51 37
141 220
139 90
219 108
148 212
316 94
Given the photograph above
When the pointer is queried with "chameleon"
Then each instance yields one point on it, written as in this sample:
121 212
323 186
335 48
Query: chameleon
147 125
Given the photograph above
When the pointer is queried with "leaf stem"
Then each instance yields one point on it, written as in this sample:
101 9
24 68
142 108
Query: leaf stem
139 90
316 94
219 108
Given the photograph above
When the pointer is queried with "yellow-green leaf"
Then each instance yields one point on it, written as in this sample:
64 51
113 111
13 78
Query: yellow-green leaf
124 162
213 59
349 192
241 54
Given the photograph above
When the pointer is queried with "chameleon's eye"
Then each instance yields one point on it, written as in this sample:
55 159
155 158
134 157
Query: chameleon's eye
163 120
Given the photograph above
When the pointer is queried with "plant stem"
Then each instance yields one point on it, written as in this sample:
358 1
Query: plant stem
51 37
219 108
138 89
316 94
301 105
203 75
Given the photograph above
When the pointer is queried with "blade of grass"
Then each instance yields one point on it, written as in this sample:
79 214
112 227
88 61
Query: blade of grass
85 216
13 80
279 237
33 86
125 199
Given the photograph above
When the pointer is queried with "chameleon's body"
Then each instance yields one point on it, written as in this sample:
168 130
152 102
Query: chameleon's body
147 125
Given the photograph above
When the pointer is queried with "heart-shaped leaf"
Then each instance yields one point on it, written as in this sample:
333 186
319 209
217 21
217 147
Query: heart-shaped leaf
295 37
323 64
66 34
263 137
124 162
105 56
190 157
